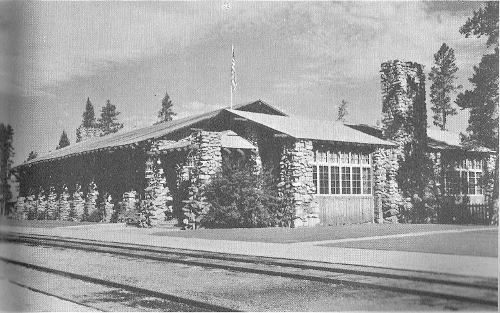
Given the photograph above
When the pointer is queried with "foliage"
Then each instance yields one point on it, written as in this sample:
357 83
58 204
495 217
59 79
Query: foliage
63 141
342 111
239 197
32 155
88 116
484 22
443 76
482 100
108 121
166 113
6 154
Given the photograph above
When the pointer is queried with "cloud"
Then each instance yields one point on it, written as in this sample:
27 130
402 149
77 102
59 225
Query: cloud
72 39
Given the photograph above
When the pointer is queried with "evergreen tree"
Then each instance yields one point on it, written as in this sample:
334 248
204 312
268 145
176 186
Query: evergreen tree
166 113
443 76
88 120
88 117
6 154
482 100
63 141
108 120
32 155
342 111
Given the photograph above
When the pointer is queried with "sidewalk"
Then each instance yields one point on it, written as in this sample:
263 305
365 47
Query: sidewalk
429 262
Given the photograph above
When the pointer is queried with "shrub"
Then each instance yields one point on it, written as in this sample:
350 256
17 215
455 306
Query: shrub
237 197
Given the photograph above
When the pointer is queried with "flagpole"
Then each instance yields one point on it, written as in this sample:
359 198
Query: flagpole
232 59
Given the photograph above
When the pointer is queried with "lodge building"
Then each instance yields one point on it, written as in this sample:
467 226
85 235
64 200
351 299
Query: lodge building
343 173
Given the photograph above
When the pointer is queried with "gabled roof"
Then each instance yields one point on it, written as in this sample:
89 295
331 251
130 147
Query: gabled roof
126 138
311 129
436 139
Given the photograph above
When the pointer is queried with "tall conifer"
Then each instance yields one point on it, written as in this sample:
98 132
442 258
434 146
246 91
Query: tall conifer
108 122
166 113
63 141
442 76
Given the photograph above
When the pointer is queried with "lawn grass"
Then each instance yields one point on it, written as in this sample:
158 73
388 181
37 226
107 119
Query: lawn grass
39 224
476 243
319 233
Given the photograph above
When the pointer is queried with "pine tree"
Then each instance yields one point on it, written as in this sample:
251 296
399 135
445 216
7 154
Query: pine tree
63 141
32 155
166 113
342 111
88 121
108 120
443 76
482 100
6 154
88 117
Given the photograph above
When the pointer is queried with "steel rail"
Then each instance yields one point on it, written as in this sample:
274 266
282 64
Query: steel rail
147 292
378 278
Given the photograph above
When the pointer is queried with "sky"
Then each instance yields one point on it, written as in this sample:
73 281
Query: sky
304 57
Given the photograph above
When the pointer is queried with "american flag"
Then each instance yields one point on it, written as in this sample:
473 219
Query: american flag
233 71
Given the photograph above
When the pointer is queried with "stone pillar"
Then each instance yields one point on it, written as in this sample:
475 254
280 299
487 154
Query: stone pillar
30 207
379 158
489 176
91 200
52 205
208 156
296 182
41 205
156 191
108 208
77 204
64 205
20 212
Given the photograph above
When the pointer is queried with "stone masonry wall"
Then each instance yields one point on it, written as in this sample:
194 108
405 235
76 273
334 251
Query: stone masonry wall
404 122
296 183
208 156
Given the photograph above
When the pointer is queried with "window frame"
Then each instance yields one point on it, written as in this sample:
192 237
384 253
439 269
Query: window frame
339 164
462 170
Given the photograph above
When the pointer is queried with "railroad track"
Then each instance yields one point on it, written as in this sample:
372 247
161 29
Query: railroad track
468 289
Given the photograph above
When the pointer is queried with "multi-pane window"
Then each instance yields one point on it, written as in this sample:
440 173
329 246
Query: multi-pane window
356 180
335 180
323 180
452 179
346 180
367 180
465 178
342 173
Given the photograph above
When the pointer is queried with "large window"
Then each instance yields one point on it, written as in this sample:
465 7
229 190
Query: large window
341 172
464 178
